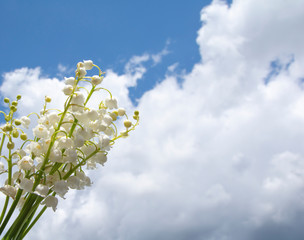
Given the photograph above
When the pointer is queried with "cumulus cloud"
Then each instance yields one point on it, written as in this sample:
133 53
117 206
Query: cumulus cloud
218 157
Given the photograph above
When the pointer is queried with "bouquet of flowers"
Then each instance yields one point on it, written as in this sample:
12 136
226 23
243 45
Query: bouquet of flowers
65 143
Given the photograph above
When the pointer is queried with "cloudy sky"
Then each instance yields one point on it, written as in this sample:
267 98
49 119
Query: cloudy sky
219 152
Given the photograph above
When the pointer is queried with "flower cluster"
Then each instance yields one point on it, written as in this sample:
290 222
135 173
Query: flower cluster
65 143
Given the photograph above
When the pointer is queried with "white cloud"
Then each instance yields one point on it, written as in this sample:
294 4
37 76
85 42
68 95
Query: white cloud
218 157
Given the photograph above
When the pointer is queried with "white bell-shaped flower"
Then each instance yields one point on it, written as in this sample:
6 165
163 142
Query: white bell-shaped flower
40 131
61 188
69 81
64 143
74 182
42 190
78 98
111 103
107 119
96 80
81 72
26 184
67 90
25 121
9 191
56 155
26 163
88 64
92 114
104 141
50 201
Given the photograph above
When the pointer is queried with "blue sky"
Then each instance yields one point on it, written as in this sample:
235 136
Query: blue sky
46 33
219 150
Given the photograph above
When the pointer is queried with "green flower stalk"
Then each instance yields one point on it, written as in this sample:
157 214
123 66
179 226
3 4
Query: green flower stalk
65 144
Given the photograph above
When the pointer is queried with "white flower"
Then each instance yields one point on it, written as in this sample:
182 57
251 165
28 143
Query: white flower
111 103
40 131
9 191
34 147
107 119
42 190
64 143
17 175
69 81
104 141
53 117
56 155
67 89
81 72
91 165
71 155
88 149
100 158
19 153
96 80
61 188
51 179
26 163
78 98
88 64
50 201
79 141
92 114
25 121
74 182
26 184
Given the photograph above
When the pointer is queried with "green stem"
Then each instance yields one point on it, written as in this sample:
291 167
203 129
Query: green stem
89 95
29 207
34 222
9 167
21 228
2 142
10 212
4 208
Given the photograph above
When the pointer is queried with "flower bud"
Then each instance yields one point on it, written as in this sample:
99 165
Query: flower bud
135 117
7 118
17 122
6 100
121 112
127 123
8 128
15 133
10 145
113 116
18 97
136 112
80 65
14 103
13 108
47 99
23 136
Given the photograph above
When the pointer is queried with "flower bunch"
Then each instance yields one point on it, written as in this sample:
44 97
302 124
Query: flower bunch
66 143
